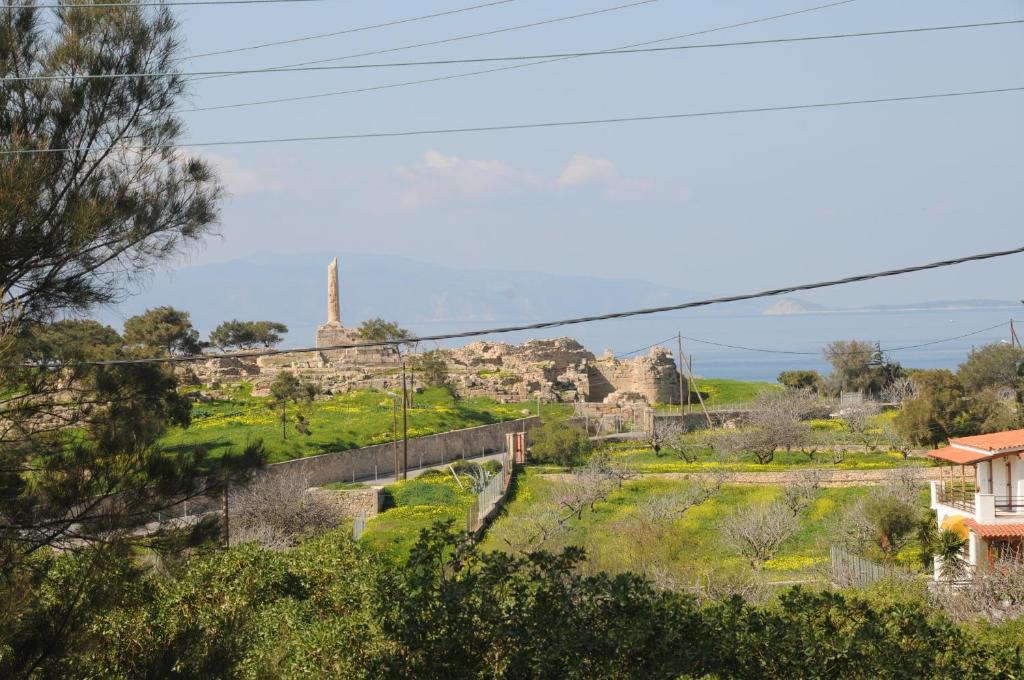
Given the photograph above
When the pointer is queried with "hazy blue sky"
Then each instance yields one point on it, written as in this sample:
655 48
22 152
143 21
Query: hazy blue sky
725 204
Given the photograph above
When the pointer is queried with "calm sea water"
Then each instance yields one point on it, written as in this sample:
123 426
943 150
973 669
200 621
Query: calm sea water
794 333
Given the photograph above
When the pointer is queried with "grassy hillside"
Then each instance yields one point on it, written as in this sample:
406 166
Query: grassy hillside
689 548
340 422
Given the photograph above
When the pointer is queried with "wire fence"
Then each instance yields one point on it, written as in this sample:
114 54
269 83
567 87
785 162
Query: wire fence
359 525
490 496
849 569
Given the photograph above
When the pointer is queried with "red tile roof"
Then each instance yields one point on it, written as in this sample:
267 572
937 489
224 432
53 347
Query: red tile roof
997 441
958 456
996 530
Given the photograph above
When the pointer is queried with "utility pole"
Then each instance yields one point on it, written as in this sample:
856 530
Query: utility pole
405 428
700 397
679 339
1014 340
689 388
394 430
224 509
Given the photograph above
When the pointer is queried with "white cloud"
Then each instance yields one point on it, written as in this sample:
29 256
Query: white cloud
601 172
441 178
584 169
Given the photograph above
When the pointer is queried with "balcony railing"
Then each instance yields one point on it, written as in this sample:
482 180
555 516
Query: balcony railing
1009 504
961 499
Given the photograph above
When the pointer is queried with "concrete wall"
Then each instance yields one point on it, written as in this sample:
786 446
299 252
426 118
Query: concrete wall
378 461
367 464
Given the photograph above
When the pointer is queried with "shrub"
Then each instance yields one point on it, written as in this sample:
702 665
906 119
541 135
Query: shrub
560 444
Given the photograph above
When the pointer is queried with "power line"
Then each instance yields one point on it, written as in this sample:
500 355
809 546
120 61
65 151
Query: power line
529 126
521 57
444 41
347 31
455 76
883 349
587 319
183 3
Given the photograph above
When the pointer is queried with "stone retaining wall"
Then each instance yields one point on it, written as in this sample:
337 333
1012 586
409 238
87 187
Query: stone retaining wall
350 502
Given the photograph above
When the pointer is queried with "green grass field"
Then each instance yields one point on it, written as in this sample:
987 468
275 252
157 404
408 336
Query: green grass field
724 391
414 505
346 421
691 548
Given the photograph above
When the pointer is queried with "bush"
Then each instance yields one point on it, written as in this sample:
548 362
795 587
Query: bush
492 466
431 491
559 444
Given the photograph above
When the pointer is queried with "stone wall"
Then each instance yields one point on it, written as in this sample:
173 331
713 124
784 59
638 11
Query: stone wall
371 462
654 377
351 502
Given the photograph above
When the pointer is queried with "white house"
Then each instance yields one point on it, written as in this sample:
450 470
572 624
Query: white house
981 494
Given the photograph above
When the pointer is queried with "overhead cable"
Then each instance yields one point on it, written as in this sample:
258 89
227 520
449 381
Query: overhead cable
526 126
805 353
359 29
182 3
521 57
468 74
694 304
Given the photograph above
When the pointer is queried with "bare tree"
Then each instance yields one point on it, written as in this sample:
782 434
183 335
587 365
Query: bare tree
896 441
278 511
801 489
859 418
899 390
776 422
995 595
758 531
647 531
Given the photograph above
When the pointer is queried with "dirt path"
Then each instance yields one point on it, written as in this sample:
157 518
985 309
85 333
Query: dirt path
831 477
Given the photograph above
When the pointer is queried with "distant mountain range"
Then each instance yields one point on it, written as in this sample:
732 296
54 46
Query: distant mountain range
793 306
422 296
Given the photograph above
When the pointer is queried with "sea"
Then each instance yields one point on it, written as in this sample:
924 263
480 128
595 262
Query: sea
760 346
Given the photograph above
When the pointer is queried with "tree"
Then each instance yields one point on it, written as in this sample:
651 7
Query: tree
247 334
775 422
758 531
379 330
860 366
72 339
163 328
433 368
995 365
288 389
860 419
934 415
559 443
107 198
802 380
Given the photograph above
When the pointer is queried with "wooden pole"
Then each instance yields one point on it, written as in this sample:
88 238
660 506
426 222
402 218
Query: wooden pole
689 388
1014 340
405 428
700 397
394 432
679 339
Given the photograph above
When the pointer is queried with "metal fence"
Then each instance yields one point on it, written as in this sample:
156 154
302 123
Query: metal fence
849 569
490 496
359 525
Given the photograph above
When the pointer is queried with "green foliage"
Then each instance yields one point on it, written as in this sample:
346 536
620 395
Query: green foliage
339 422
379 330
433 369
858 365
286 389
937 412
163 328
893 521
72 340
559 444
991 366
802 380
247 334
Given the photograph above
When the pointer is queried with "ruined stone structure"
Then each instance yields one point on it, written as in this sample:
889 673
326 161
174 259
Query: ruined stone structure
553 370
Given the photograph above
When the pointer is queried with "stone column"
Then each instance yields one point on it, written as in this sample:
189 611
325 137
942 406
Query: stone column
333 303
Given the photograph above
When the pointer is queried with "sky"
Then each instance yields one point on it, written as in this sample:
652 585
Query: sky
725 204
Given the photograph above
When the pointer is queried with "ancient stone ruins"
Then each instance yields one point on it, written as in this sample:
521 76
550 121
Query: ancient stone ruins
552 370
